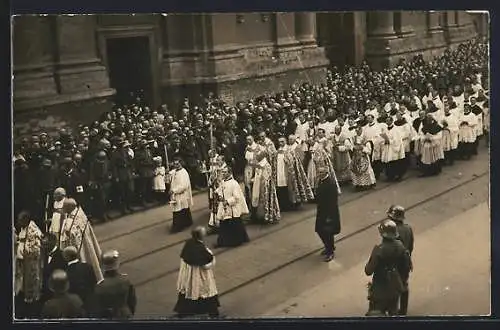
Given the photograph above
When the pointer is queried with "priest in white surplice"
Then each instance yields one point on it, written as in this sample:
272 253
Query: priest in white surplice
181 197
393 151
467 133
232 206
449 134
78 232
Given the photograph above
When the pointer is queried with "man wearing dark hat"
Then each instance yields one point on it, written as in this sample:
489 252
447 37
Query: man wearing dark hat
114 297
63 305
397 214
390 266
81 276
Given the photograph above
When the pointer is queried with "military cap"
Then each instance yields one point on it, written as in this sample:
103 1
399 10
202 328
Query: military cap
101 155
388 229
110 260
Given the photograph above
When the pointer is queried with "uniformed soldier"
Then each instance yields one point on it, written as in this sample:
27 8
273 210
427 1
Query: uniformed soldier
62 305
114 297
390 265
122 172
145 167
397 214
99 184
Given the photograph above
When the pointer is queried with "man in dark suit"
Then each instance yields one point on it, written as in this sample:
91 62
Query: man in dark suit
63 305
81 276
327 212
53 260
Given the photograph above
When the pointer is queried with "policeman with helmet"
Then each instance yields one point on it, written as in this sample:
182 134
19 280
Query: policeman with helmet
397 214
389 263
115 295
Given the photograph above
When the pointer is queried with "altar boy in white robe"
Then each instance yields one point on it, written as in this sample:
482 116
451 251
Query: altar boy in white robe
232 206
181 197
393 151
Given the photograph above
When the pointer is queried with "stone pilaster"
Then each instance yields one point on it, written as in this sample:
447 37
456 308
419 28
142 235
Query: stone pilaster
305 28
381 24
406 17
381 38
33 60
285 30
79 68
434 24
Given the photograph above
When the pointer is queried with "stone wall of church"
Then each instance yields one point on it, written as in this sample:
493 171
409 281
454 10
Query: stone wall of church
61 66
395 35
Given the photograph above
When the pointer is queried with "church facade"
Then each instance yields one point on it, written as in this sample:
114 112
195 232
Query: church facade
70 68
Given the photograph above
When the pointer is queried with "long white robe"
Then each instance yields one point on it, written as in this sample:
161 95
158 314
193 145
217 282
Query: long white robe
182 196
234 198
394 148
450 133
467 132
195 282
249 169
372 133
407 133
77 231
28 262
55 224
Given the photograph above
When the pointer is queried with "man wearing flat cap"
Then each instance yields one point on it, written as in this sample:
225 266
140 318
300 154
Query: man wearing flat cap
114 297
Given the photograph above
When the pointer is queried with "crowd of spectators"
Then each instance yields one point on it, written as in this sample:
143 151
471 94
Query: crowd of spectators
110 164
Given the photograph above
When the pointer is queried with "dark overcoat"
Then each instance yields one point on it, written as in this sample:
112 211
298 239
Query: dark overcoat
327 212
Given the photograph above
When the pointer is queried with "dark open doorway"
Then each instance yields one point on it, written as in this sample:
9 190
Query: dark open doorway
129 65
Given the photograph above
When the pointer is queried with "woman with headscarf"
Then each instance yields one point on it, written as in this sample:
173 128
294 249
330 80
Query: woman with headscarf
432 149
196 288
